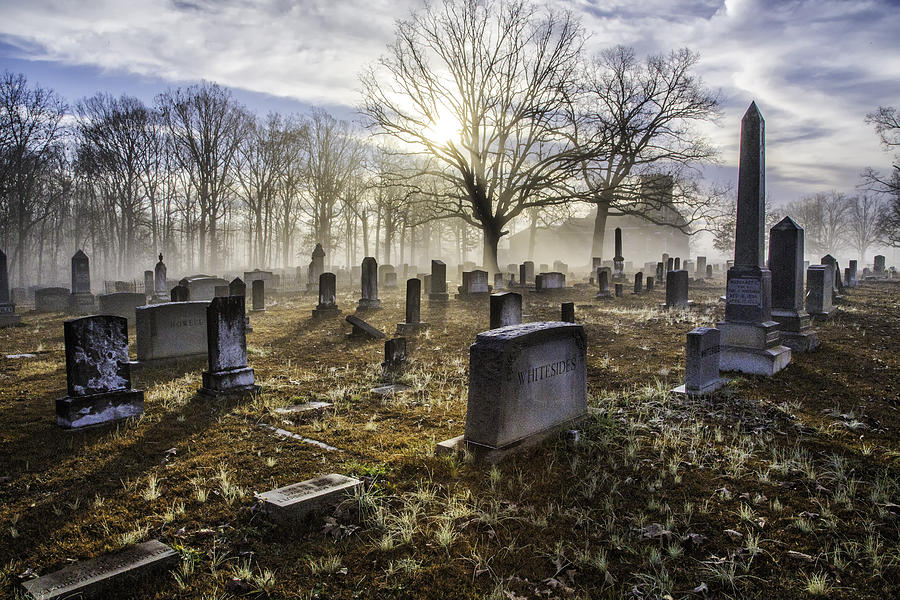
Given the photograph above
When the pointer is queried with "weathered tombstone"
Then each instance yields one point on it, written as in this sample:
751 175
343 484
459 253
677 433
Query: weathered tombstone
53 299
709 271
526 277
98 375
619 290
180 293
159 281
543 268
390 279
237 287
369 280
383 271
226 339
258 290
362 329
560 267
677 263
538 282
818 290
677 290
316 268
567 312
649 284
203 287
701 364
438 288
638 282
222 291
618 259
553 281
750 337
81 300
8 316
121 304
148 284
413 308
526 382
852 281
688 266
670 266
506 309
101 577
667 266
603 282
474 283
837 288
498 281
879 265
327 306
293 503
660 271
394 357
171 331
786 240
701 266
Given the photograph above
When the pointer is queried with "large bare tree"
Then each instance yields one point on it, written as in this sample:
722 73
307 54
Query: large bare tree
886 121
485 88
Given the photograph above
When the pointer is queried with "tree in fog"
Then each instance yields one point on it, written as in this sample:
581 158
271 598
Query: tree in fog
642 114
486 89
206 125
824 218
886 121
863 215
32 158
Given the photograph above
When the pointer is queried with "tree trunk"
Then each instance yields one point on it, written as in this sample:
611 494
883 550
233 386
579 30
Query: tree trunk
491 232
599 230
532 233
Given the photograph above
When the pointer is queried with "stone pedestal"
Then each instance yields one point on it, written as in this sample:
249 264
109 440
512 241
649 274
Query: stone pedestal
81 303
796 330
93 409
702 363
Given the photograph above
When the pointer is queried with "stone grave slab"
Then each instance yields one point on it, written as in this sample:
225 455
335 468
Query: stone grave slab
363 329
294 502
299 408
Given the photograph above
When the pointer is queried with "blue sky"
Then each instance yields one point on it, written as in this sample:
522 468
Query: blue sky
815 68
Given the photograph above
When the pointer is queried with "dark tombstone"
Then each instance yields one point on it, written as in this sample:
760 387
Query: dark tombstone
750 337
649 284
362 329
660 271
677 290
670 266
529 273
701 266
709 271
369 284
818 290
148 284
498 281
677 264
701 364
159 281
618 259
222 291
316 268
539 282
506 309
879 265
81 300
121 304
413 308
831 261
327 306
474 283
638 282
258 290
852 281
437 291
98 375
394 358
8 316
180 293
619 290
567 312
237 287
786 265
226 336
667 266
603 282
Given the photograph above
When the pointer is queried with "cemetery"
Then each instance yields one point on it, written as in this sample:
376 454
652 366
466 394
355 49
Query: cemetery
560 345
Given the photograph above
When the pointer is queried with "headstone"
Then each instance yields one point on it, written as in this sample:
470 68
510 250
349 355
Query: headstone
838 286
688 266
8 316
638 282
237 287
677 290
709 271
473 283
203 287
363 329
159 281
98 375
498 281
603 282
171 331
121 304
438 288
560 267
852 281
786 265
226 337
567 312
100 577
258 290
390 279
670 266
223 291
316 268
526 273
818 290
526 382
369 279
553 281
677 263
618 259
649 284
538 281
394 357
292 503
750 338
148 284
181 293
327 306
667 266
660 271
701 266
53 299
383 271
619 290
506 309
701 364
413 308
879 265
81 300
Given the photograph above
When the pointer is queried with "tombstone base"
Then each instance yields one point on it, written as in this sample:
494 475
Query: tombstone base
83 411
404 329
688 306
471 295
796 333
8 316
706 390
800 342
325 312
365 304
81 304
438 297
602 295
159 299
257 310
231 381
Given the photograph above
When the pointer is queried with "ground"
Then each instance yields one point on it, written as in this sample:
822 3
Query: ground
775 488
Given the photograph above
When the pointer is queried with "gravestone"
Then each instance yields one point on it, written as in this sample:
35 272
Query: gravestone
667 266
293 503
81 301
316 268
560 267
852 281
180 293
660 271
226 343
171 331
98 375
327 306
159 281
383 270
818 290
543 268
553 281
237 287
506 309
701 364
688 266
526 382
474 283
203 287
879 265
52 299
526 273
8 316
223 291
567 312
394 358
121 304
538 281
638 282
649 284
603 282
619 290
102 577
677 284
363 329
709 271
670 266
786 241
390 279
498 281
258 290
750 338
369 279
677 263
148 284
413 308
618 259
437 290
701 266
838 286
848 277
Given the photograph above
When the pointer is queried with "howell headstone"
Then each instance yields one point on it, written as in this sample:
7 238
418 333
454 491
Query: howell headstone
701 365
171 331
81 300
293 503
786 266
369 281
413 308
327 306
818 290
258 290
506 309
98 375
226 336
8 316
437 291
751 339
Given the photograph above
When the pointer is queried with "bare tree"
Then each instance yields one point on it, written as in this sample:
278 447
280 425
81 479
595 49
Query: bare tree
641 114
863 215
485 88
887 125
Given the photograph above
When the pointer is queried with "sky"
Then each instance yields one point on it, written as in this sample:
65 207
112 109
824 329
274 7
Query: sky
814 68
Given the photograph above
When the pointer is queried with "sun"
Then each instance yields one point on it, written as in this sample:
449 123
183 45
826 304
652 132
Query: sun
445 129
